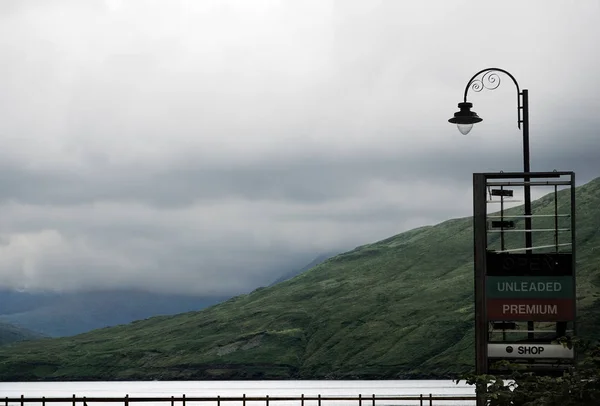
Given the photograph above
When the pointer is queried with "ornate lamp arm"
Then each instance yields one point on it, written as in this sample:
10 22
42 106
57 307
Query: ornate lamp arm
490 80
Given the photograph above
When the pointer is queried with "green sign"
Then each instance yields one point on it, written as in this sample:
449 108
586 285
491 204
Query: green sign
529 287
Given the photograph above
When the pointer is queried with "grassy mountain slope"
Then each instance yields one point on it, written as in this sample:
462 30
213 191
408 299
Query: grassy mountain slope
11 334
401 307
295 272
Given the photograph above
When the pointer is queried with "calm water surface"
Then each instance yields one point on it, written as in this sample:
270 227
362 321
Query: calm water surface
238 388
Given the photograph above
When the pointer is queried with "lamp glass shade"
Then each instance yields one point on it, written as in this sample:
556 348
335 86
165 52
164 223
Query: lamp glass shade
465 117
464 128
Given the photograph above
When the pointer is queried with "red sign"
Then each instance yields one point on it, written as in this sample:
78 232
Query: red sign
531 309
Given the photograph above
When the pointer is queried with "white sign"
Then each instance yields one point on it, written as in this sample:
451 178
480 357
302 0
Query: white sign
529 351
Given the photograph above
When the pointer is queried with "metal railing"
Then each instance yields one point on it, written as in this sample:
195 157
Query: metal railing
318 400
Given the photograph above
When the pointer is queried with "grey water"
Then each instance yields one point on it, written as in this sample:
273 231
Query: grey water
241 388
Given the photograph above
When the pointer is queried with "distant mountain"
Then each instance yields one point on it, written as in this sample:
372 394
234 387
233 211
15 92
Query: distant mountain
398 308
10 334
318 260
65 314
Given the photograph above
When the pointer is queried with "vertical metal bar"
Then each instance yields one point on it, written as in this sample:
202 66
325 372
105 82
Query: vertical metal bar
126 400
244 399
172 400
319 401
301 400
23 402
430 399
218 400
480 248
43 401
373 400
183 400
267 401
501 218
556 218
421 399
73 399
574 250
359 400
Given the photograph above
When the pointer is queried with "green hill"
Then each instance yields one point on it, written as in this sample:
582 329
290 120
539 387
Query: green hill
10 334
398 308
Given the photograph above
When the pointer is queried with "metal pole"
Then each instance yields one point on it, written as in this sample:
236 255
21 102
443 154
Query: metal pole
527 169
480 246
573 253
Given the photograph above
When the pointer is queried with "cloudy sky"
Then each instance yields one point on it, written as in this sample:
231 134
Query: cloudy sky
210 146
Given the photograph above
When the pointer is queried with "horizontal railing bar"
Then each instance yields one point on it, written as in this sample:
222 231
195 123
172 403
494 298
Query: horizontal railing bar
511 331
534 248
546 230
532 183
504 201
231 398
528 215
532 175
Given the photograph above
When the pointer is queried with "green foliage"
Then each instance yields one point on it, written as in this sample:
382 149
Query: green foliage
398 308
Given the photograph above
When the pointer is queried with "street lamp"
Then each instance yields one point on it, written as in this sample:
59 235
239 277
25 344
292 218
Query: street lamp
465 118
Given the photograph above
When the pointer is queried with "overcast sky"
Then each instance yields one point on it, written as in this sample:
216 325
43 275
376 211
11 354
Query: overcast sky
210 146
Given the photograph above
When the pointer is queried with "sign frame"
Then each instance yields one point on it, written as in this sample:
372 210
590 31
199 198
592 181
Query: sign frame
527 261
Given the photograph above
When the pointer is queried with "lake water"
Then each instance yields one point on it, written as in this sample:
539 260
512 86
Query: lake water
240 388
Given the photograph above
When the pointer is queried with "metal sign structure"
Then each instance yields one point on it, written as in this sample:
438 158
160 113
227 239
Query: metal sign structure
524 271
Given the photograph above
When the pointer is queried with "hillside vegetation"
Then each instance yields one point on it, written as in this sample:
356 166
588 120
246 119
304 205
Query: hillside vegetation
398 308
11 334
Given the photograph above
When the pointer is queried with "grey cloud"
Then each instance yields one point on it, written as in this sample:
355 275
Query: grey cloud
160 144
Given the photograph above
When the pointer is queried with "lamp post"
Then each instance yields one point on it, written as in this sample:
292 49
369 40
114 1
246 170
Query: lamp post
464 119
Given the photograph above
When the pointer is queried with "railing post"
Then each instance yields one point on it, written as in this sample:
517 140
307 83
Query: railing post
84 402
218 400
43 401
319 399
22 401
421 399
359 400
183 400
267 401
126 401
302 400
373 399
73 399
172 400
244 399
430 399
